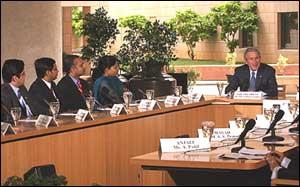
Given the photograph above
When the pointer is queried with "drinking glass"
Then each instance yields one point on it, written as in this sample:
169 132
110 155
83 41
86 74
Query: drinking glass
150 94
220 87
16 114
127 96
207 129
240 121
294 109
268 113
54 108
276 108
90 103
178 90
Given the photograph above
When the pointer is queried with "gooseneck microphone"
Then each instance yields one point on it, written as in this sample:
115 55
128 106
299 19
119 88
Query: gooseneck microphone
249 125
295 129
273 137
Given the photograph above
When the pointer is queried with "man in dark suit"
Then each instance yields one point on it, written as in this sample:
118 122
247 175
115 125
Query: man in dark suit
43 89
72 90
13 91
254 76
284 167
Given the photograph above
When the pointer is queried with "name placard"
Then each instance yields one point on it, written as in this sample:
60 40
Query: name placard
248 95
45 121
6 128
183 144
146 104
83 115
118 109
196 97
173 101
220 134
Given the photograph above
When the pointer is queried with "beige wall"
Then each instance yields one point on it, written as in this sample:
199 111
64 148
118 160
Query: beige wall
267 36
30 30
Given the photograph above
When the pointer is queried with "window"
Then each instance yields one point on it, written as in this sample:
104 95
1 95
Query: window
289 38
246 39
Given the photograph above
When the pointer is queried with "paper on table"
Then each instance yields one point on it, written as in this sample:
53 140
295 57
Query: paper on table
27 120
240 156
103 108
67 114
254 151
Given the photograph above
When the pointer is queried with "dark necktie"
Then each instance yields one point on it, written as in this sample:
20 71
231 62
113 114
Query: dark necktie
21 101
79 86
252 82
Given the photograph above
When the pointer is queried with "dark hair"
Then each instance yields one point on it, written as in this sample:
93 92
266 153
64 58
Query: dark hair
42 65
103 63
10 68
69 62
251 49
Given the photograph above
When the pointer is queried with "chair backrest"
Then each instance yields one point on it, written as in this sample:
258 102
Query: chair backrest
289 182
281 91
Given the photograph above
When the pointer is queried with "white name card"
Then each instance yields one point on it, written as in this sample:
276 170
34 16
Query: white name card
284 105
118 109
45 121
173 100
248 95
6 128
196 97
220 134
82 115
147 104
262 122
184 144
297 96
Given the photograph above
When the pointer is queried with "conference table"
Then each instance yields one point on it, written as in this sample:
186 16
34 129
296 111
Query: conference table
99 151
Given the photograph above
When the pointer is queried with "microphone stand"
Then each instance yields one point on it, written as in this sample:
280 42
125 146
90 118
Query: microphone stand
273 137
237 149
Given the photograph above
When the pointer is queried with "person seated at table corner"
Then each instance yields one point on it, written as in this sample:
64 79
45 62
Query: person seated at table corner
71 89
108 89
284 167
43 89
254 75
13 91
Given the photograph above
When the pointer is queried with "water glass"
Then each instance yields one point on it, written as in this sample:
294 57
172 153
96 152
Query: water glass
127 96
220 87
54 108
207 129
178 90
90 103
294 109
276 108
240 121
16 114
150 94
268 113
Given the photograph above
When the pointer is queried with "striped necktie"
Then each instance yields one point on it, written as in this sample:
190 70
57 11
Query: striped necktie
79 86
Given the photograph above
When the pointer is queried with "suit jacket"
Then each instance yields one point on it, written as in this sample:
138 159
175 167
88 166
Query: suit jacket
265 80
43 95
69 95
292 171
9 99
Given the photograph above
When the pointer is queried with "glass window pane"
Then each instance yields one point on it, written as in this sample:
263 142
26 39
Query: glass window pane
289 30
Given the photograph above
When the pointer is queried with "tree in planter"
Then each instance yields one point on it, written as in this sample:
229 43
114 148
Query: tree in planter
192 28
147 48
77 22
232 17
101 31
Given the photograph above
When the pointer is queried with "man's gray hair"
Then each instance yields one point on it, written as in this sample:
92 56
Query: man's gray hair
251 49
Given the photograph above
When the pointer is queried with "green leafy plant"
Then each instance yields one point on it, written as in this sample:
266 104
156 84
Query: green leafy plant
77 22
101 31
137 21
192 28
232 17
35 180
147 48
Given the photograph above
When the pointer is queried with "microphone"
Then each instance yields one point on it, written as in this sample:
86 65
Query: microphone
278 117
249 125
295 129
273 137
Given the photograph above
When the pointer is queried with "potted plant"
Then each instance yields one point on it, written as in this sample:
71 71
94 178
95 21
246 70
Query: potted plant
147 47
